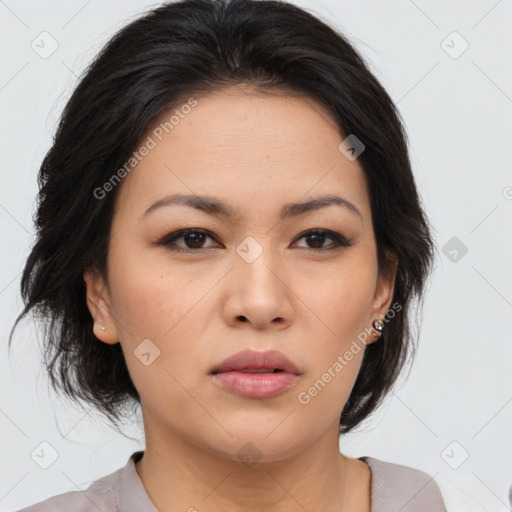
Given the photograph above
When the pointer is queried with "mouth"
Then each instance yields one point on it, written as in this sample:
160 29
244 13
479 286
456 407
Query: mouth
256 375
250 361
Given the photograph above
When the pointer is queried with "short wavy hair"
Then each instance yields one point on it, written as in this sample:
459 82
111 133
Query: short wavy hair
194 47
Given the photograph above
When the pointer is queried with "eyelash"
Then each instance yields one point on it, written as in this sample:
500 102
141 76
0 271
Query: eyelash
168 240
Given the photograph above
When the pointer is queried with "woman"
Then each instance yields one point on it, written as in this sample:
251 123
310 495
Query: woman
229 234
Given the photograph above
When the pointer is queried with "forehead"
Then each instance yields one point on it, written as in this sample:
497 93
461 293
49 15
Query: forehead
249 148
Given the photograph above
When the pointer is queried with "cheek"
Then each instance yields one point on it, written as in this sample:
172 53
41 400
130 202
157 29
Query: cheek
343 304
149 300
327 388
150 307
166 307
344 301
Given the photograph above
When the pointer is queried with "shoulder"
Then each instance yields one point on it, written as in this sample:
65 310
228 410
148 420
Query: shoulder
100 495
401 488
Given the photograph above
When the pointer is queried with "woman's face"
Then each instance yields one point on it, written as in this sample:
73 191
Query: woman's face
252 278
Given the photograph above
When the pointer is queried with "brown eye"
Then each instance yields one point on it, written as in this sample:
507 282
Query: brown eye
317 237
193 239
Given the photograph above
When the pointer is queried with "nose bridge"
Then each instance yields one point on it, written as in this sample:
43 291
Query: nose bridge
258 265
259 291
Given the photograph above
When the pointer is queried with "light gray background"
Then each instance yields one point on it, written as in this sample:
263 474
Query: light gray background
457 400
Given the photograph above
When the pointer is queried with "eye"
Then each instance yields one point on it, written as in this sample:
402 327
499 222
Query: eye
193 239
317 238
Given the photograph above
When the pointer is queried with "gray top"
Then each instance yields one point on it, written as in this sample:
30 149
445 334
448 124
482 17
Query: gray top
394 488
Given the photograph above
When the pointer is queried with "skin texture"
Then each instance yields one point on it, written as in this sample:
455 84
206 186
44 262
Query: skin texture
305 297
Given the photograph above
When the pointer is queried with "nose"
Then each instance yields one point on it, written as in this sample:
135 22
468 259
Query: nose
257 288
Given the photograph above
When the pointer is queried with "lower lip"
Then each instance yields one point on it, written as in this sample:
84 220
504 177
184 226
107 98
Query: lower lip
255 385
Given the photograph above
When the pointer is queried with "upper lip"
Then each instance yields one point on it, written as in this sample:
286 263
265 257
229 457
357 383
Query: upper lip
253 360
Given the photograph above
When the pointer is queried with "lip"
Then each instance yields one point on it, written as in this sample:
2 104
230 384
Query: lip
253 360
230 376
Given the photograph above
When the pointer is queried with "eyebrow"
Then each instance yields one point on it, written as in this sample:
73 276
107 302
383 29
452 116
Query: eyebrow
215 207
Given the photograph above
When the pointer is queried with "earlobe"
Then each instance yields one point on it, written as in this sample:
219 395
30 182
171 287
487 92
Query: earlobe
385 290
376 329
98 303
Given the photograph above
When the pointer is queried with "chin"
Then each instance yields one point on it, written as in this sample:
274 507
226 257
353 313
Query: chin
260 443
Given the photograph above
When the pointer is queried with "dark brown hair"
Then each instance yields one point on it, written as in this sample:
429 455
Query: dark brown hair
187 48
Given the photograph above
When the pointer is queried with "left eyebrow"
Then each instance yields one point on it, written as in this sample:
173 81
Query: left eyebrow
215 207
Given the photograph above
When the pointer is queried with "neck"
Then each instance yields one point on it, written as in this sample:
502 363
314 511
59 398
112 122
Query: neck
180 475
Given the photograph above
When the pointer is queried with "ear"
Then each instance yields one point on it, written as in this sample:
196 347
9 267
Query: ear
98 302
384 290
